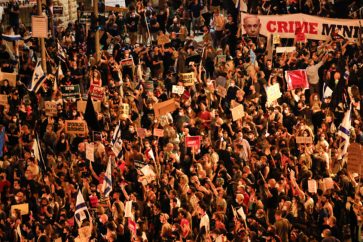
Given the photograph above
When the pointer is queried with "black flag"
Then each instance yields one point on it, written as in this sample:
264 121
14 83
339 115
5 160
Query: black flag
90 115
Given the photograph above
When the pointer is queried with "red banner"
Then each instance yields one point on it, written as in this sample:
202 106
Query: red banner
193 141
296 79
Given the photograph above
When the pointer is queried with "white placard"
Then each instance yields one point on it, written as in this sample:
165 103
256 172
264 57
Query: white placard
90 152
178 90
312 186
113 3
128 209
273 93
285 49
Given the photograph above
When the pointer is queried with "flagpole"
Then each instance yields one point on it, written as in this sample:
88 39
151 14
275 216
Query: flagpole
42 42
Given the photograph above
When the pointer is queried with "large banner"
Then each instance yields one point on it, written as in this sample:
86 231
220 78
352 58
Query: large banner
287 26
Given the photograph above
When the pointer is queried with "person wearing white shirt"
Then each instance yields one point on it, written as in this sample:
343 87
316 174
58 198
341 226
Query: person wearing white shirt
204 221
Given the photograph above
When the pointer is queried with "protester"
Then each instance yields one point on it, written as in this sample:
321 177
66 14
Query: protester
174 135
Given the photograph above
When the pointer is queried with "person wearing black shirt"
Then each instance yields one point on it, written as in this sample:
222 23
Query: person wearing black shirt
132 21
13 9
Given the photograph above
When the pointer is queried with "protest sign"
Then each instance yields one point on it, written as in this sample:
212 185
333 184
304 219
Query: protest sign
124 110
97 93
178 89
11 77
273 93
288 49
3 99
90 152
127 62
50 108
23 208
39 26
193 142
276 39
148 173
116 9
318 28
114 3
81 106
163 39
312 186
128 209
75 127
221 59
141 132
221 91
355 158
237 112
164 107
58 10
188 78
71 91
158 132
304 140
296 79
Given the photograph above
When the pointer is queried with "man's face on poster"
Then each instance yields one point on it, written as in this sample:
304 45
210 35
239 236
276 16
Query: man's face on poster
252 26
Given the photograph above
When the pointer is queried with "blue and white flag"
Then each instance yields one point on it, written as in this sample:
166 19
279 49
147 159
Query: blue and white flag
252 56
117 141
37 153
107 182
327 92
344 133
38 78
81 212
11 37
61 54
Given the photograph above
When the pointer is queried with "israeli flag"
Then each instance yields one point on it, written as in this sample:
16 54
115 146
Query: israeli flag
107 182
81 212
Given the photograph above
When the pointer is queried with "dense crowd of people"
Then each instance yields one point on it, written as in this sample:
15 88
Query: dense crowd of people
244 179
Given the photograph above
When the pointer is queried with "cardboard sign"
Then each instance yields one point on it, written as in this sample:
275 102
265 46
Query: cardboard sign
124 110
193 142
39 26
128 209
221 91
312 186
148 173
273 93
164 107
221 59
58 10
163 39
188 78
149 86
276 39
116 9
178 89
141 132
81 106
50 108
24 208
158 132
97 92
72 91
355 158
304 140
11 77
127 62
238 112
75 127
288 49
3 99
